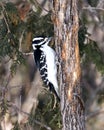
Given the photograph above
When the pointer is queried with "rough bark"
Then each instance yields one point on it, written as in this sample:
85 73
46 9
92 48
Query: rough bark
65 19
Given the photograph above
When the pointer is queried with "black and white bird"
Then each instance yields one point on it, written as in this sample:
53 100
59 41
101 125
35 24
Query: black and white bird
45 59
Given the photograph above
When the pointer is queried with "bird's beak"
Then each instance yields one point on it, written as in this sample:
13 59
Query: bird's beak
49 39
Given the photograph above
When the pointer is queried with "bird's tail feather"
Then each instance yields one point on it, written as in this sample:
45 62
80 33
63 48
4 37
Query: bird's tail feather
52 89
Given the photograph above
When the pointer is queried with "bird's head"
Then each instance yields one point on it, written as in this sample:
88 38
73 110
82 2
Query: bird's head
40 41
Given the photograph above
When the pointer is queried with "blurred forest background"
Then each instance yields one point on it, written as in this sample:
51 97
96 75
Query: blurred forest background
24 103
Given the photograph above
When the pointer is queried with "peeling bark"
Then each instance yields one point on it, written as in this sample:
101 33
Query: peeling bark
65 19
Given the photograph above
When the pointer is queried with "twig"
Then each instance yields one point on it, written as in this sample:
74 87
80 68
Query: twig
8 80
20 41
79 98
89 38
42 125
41 6
35 121
5 62
92 8
6 20
92 115
18 109
28 53
5 17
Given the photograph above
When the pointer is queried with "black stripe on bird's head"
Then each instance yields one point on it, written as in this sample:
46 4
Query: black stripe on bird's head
39 41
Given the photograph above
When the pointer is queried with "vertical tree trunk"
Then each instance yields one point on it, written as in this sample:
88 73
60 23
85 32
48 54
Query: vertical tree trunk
65 19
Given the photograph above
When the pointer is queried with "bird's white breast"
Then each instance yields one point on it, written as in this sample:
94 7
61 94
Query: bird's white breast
51 64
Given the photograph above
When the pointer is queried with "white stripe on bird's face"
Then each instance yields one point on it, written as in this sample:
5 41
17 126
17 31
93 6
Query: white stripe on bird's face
37 38
34 46
40 41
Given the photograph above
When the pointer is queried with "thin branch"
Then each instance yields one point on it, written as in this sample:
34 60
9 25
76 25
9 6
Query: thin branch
27 53
5 17
41 6
20 41
35 121
42 125
6 22
80 100
18 109
92 8
96 113
89 38
8 80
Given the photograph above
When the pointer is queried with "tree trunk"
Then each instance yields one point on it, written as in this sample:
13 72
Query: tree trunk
65 19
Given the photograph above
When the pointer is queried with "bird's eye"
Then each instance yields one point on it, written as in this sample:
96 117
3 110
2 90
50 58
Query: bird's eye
40 40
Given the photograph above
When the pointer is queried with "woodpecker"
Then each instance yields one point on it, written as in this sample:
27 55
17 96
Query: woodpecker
45 59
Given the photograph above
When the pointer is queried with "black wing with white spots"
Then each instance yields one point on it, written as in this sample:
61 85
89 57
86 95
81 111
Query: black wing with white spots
43 69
